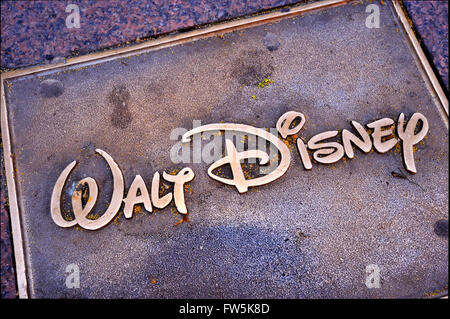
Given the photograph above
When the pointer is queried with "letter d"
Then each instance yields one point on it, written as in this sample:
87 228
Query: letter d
264 308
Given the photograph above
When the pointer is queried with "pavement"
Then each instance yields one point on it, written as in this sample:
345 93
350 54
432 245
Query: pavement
34 33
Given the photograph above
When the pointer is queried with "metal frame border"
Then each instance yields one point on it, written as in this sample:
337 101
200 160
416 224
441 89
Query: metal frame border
165 41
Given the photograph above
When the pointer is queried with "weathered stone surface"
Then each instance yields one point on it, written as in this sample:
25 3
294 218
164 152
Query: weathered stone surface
307 234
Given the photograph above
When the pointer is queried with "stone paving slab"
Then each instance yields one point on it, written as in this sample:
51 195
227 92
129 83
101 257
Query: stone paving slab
309 234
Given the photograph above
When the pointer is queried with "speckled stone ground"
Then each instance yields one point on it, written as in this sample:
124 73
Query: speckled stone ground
430 19
8 283
34 33
26 25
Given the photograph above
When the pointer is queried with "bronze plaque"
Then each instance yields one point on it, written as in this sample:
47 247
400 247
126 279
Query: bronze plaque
298 154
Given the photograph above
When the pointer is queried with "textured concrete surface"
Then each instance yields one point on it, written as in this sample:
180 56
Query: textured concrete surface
308 234
34 32
46 18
